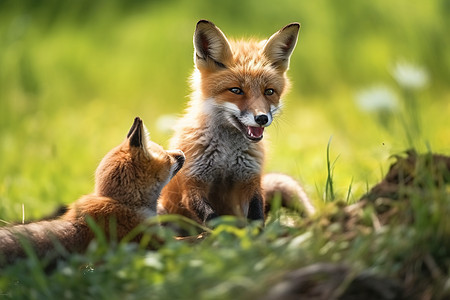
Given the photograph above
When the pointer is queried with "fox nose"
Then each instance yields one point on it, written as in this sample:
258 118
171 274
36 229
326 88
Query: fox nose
179 158
261 119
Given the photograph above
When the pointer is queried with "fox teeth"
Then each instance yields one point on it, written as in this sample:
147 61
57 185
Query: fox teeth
255 132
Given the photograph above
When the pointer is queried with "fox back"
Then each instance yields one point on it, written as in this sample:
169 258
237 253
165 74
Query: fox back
129 180
237 89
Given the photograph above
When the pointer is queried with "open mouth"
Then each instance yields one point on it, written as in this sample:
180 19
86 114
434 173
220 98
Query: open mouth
254 134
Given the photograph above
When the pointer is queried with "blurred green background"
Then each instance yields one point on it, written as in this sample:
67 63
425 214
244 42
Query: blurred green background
373 75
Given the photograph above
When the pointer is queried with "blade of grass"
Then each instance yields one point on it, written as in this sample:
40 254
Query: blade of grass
329 187
349 191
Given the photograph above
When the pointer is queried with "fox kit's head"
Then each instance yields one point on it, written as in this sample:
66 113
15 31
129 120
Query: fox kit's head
241 82
134 172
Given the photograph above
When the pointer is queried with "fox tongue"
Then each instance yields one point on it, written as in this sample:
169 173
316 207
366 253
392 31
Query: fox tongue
255 132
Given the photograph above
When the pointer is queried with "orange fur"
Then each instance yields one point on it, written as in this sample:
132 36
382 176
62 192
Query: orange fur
237 89
129 180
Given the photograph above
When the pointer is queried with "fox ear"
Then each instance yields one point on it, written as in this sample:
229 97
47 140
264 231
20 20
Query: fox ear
280 45
135 135
212 49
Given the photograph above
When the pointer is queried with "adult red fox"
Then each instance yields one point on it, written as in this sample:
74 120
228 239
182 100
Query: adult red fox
237 89
128 182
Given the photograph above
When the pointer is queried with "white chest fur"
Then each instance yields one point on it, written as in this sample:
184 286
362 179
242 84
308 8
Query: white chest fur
224 153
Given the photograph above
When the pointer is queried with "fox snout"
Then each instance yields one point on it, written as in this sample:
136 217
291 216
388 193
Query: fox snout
258 118
178 158
252 125
261 119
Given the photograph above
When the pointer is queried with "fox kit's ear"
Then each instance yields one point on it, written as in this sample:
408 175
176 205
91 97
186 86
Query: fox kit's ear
280 45
212 49
135 135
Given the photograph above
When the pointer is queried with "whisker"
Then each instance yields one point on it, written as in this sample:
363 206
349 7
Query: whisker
277 109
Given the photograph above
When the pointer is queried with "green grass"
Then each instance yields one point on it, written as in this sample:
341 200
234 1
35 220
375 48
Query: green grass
74 75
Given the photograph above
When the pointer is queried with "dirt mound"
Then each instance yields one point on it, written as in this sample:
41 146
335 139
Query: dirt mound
414 195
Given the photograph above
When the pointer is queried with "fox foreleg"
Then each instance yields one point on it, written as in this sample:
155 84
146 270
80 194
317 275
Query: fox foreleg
256 208
198 204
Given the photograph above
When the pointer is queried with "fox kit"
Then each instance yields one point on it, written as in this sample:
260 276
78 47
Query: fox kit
128 183
237 86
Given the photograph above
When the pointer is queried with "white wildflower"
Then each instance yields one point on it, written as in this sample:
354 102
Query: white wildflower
410 76
377 98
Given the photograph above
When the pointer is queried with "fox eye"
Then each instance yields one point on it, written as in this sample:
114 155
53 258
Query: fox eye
269 92
236 90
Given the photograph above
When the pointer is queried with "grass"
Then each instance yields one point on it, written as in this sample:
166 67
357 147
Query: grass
74 75
329 188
